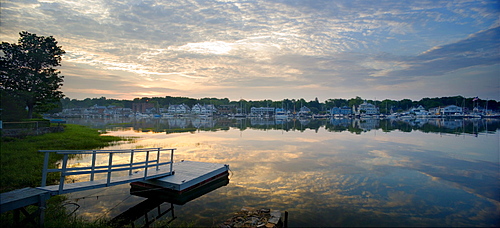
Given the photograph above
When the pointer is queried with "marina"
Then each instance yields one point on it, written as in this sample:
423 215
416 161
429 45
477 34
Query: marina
388 172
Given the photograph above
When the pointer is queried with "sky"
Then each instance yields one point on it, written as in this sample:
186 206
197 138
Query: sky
276 49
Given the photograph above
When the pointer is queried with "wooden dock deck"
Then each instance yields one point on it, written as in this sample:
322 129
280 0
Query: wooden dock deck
25 196
188 175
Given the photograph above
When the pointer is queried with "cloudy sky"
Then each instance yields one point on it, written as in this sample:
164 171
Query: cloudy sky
276 49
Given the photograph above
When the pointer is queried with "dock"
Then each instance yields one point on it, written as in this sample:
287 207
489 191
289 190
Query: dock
176 177
188 175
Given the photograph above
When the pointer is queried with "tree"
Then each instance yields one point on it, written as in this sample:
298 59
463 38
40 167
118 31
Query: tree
27 70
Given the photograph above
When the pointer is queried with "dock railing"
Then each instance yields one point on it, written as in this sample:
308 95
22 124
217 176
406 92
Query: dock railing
109 168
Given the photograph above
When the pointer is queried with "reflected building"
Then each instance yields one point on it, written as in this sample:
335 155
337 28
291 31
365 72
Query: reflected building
203 123
261 122
341 122
178 122
366 124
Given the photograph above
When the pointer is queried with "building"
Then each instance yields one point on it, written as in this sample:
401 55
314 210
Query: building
226 109
203 109
367 108
341 110
179 109
450 110
419 111
141 107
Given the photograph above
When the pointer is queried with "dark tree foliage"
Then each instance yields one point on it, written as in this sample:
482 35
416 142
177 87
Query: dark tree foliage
15 111
27 71
386 106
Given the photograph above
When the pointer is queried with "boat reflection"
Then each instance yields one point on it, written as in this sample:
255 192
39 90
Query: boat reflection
159 204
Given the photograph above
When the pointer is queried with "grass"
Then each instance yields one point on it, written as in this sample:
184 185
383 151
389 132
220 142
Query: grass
21 166
21 163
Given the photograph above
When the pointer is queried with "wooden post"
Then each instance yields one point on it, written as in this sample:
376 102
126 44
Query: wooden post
63 173
42 205
45 167
286 219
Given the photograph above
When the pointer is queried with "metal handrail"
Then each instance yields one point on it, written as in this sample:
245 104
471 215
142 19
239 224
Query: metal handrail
93 169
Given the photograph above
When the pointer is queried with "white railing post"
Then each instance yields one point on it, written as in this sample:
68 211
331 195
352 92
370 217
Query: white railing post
158 159
147 163
63 174
93 166
171 160
109 168
131 162
45 167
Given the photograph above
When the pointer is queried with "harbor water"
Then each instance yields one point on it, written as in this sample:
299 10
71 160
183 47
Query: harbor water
328 172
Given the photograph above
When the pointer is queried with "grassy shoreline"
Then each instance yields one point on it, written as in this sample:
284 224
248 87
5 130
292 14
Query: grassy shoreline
21 166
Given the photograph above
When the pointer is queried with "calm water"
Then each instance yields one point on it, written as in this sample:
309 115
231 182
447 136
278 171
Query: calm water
337 172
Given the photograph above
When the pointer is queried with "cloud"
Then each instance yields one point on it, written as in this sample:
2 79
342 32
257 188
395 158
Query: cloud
332 45
480 49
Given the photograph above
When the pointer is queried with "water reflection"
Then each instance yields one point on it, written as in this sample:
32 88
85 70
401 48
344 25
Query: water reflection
159 204
341 173
358 126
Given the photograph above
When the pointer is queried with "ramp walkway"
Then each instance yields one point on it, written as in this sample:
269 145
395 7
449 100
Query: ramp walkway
150 168
142 164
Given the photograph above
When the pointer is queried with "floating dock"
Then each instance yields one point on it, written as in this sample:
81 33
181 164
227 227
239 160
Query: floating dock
188 175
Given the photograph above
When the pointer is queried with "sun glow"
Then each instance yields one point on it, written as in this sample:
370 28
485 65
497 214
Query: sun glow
212 47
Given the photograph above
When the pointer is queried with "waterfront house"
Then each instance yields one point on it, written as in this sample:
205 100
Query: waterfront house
341 110
141 107
419 111
209 109
450 110
226 109
199 109
434 111
367 108
179 109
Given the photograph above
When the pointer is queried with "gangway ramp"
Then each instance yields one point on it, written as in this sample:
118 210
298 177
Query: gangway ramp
148 169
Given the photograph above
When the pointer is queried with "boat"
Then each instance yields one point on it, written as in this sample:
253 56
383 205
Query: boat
280 114
240 115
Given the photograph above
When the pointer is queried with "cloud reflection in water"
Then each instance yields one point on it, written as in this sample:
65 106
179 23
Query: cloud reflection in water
337 178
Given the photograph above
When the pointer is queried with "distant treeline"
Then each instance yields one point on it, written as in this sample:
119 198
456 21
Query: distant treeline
289 104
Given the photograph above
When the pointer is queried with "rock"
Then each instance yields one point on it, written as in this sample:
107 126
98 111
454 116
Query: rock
249 217
270 225
265 210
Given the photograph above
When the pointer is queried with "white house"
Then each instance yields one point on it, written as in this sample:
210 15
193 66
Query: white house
178 109
419 111
203 109
368 108
450 109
